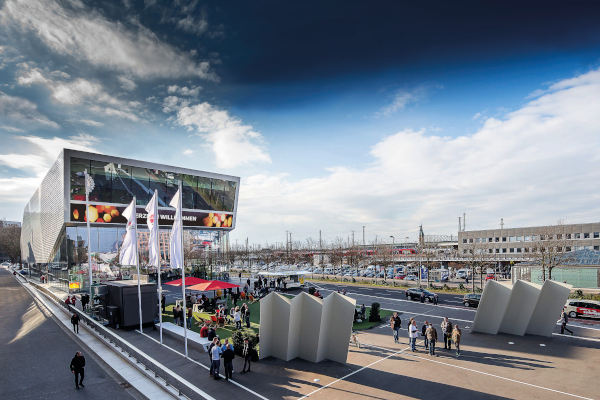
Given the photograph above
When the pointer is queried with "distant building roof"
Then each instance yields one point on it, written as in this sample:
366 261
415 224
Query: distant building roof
575 258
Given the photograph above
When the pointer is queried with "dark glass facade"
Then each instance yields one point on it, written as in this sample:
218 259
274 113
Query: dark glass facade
118 183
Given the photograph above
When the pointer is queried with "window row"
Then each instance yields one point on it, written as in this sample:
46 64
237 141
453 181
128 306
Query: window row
574 236
118 183
516 250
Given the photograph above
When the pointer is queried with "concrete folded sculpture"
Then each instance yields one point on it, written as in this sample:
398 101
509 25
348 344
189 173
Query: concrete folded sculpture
521 308
306 327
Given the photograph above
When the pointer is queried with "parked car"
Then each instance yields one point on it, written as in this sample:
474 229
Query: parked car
582 308
400 277
415 294
411 278
472 299
491 277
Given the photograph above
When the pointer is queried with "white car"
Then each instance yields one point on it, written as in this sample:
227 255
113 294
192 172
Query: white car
582 308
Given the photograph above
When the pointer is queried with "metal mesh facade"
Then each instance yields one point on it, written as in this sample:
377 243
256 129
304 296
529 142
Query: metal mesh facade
43 218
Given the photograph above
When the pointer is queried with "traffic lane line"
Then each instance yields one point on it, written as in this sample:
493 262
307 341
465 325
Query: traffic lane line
387 298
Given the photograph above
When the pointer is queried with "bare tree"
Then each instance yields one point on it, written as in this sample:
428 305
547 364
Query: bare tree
10 242
552 248
478 256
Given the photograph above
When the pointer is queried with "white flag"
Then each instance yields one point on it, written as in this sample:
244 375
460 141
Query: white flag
176 246
152 221
129 248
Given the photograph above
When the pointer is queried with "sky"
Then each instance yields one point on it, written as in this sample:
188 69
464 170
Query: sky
336 115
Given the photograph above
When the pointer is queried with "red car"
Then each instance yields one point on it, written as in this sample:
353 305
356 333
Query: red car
490 277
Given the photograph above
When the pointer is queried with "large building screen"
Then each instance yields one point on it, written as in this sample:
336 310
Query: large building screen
118 183
110 214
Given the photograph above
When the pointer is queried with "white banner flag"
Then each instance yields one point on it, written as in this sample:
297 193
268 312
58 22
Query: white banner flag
129 248
152 221
176 246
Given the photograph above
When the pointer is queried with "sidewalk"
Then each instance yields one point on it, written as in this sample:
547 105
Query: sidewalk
128 375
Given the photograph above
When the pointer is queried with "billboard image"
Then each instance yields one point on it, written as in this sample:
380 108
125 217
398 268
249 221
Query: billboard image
109 214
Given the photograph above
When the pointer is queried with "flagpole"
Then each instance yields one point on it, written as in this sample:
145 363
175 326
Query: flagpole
137 258
89 186
156 226
182 269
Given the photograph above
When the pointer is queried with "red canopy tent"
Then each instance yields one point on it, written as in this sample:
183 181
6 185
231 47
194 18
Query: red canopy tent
188 282
213 285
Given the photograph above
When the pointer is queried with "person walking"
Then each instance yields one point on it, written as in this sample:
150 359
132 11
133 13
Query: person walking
237 318
435 300
247 352
228 356
456 333
77 367
240 276
431 334
215 353
410 322
413 335
425 340
164 301
422 297
395 324
190 315
447 332
247 316
85 299
75 322
176 315
563 324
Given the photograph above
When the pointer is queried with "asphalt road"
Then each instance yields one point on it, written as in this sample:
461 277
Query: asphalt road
450 306
36 353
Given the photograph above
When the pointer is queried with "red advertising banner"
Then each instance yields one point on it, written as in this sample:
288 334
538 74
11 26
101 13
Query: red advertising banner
106 214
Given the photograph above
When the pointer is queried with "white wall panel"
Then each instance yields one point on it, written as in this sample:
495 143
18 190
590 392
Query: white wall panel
523 298
492 307
548 308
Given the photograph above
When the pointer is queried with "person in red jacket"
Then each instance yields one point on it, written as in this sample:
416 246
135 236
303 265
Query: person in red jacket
204 331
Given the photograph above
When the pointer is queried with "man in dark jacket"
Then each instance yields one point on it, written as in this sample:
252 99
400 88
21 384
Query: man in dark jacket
423 329
77 366
75 322
447 332
211 334
85 299
228 356
247 316
247 351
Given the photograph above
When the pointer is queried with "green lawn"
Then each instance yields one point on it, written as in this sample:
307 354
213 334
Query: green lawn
227 331
365 324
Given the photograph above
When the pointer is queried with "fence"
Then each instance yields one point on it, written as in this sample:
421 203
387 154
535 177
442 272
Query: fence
183 387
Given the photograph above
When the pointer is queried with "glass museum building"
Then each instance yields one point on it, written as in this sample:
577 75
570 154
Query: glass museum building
54 243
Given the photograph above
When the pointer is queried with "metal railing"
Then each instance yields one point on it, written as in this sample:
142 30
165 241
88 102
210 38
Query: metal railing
183 387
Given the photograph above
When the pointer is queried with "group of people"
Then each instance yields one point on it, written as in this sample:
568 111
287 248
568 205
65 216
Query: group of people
218 350
451 334
180 317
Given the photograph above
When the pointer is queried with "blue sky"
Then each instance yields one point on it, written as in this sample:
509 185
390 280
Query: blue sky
335 115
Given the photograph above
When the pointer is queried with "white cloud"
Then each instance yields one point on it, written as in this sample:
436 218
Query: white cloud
401 99
22 113
533 166
11 129
192 25
90 122
127 83
88 35
15 191
232 142
79 92
476 116
188 152
184 91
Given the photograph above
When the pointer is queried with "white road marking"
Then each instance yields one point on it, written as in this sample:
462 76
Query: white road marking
408 301
352 373
202 365
495 376
577 337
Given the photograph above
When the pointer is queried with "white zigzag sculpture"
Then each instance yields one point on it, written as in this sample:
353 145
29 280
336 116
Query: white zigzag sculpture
520 308
306 327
